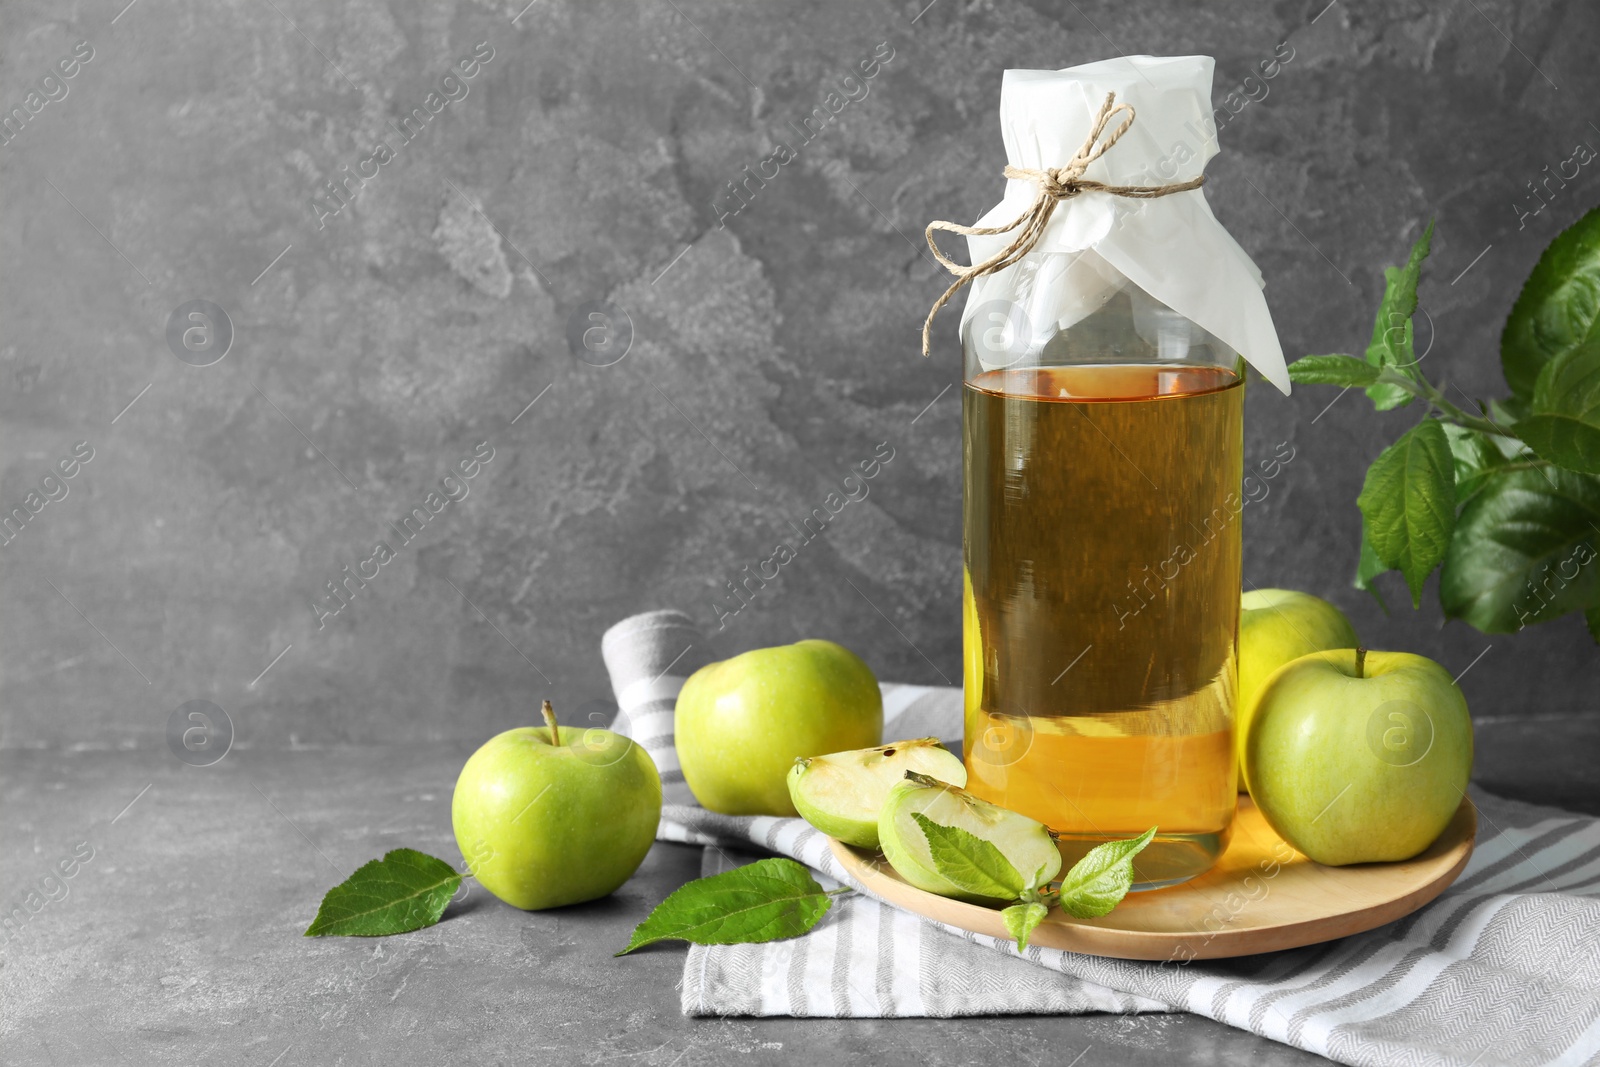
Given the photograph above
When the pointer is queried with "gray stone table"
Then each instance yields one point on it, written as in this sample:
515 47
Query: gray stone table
178 941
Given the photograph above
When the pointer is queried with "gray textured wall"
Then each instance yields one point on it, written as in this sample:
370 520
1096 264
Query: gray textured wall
374 348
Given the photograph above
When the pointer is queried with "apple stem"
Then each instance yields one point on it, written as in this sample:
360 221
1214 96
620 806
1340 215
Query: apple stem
549 714
1361 662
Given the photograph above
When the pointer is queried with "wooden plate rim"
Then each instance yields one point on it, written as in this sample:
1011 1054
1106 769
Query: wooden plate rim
1062 932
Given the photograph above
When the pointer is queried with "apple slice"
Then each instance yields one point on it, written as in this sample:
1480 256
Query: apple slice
842 793
919 801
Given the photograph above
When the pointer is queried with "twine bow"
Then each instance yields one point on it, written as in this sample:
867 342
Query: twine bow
1055 185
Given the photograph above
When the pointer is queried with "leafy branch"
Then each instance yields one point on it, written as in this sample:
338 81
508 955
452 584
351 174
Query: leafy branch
1505 502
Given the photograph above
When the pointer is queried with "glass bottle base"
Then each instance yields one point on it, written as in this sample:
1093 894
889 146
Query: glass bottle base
1168 860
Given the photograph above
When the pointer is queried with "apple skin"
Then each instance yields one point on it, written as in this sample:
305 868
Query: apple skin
544 825
741 723
1277 626
1352 769
971 651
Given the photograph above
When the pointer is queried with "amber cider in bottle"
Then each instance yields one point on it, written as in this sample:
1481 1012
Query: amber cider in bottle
1101 601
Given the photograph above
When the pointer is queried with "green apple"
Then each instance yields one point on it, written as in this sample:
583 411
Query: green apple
741 723
546 816
842 793
971 650
1022 841
1359 757
1275 627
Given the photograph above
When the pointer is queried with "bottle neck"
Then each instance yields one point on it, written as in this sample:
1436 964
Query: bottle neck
1126 343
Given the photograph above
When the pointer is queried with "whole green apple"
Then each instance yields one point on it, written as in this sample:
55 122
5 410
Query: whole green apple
742 723
546 817
1275 627
842 793
1359 757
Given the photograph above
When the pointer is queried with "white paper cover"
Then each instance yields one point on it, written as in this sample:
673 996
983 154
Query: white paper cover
1171 246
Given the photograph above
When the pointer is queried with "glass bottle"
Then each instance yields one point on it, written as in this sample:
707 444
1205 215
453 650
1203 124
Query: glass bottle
1102 439
1102 574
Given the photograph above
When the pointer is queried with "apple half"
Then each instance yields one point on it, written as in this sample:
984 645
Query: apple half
842 793
1026 844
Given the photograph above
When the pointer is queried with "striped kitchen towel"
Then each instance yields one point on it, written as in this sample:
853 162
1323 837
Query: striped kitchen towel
1504 968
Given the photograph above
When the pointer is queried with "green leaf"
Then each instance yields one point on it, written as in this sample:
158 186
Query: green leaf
1020 920
1476 457
1391 344
1347 371
1524 550
1591 619
969 861
1564 426
1098 882
406 890
1369 567
1559 308
766 900
1408 501
1508 411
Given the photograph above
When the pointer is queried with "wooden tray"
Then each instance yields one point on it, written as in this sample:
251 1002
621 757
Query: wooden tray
1262 896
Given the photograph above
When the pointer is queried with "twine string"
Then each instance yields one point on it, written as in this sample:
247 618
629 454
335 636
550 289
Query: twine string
1055 184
